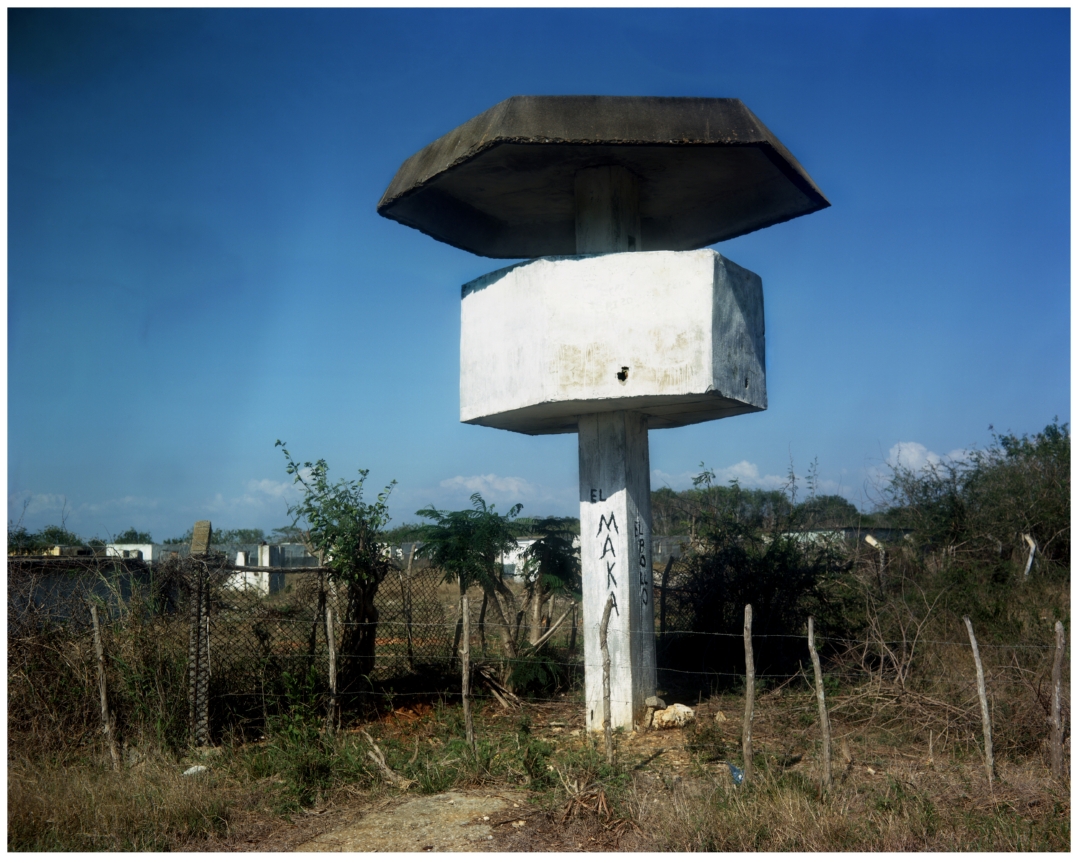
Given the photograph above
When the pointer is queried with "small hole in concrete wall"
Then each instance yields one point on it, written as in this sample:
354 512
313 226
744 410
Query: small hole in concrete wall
746 385
624 374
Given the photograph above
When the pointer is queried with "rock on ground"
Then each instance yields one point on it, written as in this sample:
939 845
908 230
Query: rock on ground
675 716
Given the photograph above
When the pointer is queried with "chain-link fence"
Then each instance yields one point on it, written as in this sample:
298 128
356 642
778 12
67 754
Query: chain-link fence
252 644
197 648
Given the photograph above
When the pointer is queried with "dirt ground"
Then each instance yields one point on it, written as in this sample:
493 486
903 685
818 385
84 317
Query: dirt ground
487 819
662 766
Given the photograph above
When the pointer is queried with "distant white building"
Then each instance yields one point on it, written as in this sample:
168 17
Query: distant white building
512 561
147 551
263 583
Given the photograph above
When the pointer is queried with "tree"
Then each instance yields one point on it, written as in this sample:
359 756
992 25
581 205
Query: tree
183 539
552 565
286 535
133 537
345 532
21 539
411 532
467 545
240 536
824 511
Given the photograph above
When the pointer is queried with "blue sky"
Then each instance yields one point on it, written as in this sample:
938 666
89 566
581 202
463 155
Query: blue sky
196 267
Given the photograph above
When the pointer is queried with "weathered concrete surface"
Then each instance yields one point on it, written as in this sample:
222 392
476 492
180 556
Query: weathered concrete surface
616 561
502 184
676 336
608 206
441 822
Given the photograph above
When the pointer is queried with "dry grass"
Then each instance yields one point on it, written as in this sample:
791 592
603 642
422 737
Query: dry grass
889 794
83 806
882 799
894 810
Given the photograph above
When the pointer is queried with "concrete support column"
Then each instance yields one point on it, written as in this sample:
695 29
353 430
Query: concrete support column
613 473
607 217
616 560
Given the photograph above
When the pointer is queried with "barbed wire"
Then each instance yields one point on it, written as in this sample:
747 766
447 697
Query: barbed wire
820 639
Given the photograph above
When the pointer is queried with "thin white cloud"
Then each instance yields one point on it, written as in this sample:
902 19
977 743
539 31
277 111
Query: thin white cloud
916 457
905 455
269 488
661 479
747 473
491 485
61 507
117 504
34 504
749 476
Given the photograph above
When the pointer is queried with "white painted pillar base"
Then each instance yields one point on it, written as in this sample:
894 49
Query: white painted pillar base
616 559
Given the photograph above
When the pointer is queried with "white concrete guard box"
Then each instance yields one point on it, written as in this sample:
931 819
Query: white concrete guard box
677 336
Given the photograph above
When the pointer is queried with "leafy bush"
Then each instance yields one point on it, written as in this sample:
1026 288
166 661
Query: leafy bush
752 549
978 508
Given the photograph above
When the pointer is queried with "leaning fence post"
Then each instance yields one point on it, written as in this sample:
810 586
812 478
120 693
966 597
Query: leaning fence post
823 712
609 743
748 714
106 716
987 740
332 718
1057 755
465 674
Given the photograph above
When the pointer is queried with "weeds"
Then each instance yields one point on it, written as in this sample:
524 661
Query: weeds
81 807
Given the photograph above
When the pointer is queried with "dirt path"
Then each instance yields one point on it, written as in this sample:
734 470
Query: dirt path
453 821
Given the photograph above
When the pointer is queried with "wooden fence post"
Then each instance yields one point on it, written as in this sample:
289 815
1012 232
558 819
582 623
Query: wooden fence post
748 714
987 739
465 674
609 743
1057 754
106 715
823 712
333 718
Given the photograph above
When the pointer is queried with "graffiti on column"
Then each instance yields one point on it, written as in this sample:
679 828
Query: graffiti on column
644 576
607 525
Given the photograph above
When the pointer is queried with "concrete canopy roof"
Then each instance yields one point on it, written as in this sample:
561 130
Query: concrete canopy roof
502 184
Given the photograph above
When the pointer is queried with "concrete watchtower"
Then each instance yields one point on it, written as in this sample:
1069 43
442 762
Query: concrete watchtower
616 325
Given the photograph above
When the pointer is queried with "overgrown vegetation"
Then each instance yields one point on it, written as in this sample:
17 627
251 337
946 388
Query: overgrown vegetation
749 550
899 679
